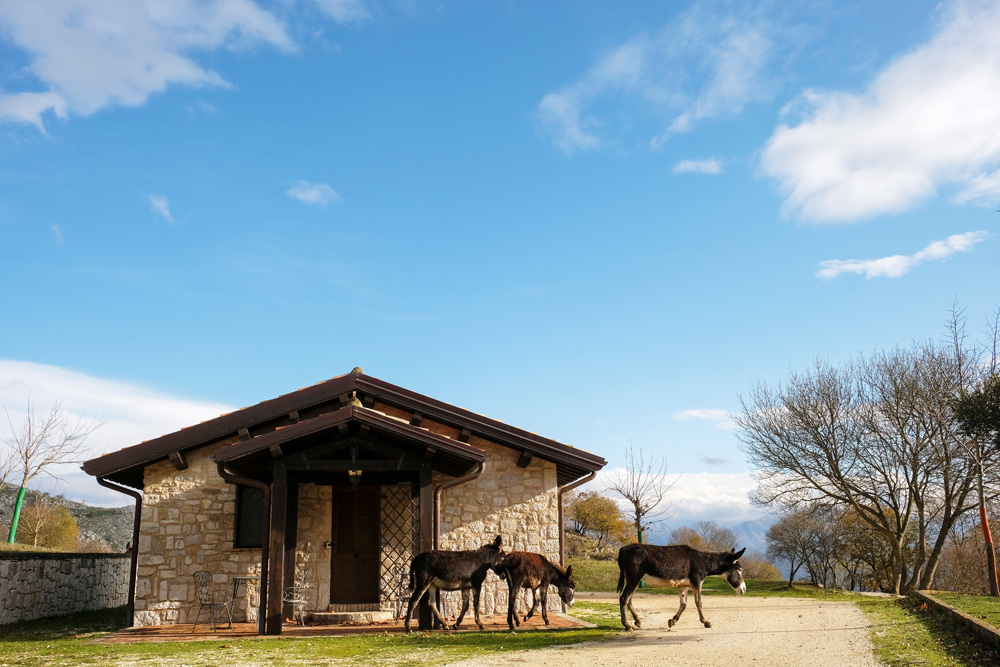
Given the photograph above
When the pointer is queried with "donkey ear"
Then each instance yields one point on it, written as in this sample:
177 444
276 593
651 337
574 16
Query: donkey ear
498 541
737 556
569 571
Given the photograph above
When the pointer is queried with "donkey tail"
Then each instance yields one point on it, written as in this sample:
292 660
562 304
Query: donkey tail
621 572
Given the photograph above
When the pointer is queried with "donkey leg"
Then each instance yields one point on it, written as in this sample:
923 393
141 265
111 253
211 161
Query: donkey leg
418 592
625 600
465 608
545 604
534 605
475 604
683 592
512 602
697 601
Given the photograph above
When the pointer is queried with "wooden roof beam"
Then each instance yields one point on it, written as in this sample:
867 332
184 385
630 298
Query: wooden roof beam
178 460
524 459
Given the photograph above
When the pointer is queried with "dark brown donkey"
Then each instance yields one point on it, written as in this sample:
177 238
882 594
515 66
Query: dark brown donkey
523 569
452 571
676 565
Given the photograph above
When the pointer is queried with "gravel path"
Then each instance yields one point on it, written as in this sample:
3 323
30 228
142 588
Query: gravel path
745 631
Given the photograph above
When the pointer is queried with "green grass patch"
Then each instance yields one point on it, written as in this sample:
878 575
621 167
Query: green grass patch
17 546
601 576
596 576
68 641
980 606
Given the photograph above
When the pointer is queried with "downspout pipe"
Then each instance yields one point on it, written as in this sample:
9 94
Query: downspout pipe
437 498
562 525
134 566
265 489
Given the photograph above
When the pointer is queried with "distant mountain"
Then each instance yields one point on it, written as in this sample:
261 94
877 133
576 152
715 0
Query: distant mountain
753 534
108 528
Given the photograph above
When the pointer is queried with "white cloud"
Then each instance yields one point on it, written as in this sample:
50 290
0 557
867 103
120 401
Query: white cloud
895 266
930 118
723 419
313 193
720 497
159 205
344 11
133 413
698 167
706 64
88 55
57 234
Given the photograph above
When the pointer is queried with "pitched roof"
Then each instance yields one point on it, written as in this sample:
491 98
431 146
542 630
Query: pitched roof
125 466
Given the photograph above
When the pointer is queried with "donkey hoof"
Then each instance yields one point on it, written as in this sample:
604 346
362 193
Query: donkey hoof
638 624
671 622
707 624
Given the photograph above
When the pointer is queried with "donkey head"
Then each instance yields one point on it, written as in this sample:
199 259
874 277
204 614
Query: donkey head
566 586
493 553
734 575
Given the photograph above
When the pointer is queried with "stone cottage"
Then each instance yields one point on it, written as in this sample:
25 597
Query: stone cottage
335 486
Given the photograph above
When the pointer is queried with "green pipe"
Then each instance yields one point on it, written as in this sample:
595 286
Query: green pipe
17 515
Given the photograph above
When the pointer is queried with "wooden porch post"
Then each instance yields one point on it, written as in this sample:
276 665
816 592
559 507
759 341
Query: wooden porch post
276 547
291 536
426 535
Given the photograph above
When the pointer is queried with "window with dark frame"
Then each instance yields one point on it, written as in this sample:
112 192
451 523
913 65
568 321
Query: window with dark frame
249 529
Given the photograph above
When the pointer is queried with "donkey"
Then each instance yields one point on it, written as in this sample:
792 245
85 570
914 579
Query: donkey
436 570
676 565
523 569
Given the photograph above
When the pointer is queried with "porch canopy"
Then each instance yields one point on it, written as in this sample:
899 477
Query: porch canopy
350 445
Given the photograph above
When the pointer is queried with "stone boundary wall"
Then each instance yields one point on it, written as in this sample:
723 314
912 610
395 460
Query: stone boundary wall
985 631
39 585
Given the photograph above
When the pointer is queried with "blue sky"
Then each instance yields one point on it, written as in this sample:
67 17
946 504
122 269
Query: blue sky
594 220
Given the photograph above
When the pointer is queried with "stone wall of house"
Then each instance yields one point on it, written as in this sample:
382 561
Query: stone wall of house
187 525
519 504
39 585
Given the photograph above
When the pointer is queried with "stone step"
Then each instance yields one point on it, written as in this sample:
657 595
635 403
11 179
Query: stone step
335 617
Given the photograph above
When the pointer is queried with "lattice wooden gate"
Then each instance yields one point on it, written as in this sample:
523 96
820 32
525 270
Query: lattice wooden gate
400 540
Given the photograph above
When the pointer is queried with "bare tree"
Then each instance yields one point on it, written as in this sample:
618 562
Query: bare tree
789 539
644 484
7 463
42 441
876 436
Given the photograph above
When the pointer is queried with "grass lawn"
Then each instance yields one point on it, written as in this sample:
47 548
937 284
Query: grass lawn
66 641
902 632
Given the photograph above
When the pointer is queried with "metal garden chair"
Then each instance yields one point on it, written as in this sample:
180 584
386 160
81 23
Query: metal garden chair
206 598
297 598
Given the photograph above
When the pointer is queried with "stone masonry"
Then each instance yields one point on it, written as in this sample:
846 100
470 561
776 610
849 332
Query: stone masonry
34 585
187 525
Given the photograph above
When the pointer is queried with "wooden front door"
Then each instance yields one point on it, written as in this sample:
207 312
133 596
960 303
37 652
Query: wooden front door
354 563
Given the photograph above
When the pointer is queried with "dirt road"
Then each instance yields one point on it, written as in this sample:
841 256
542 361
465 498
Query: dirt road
745 631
